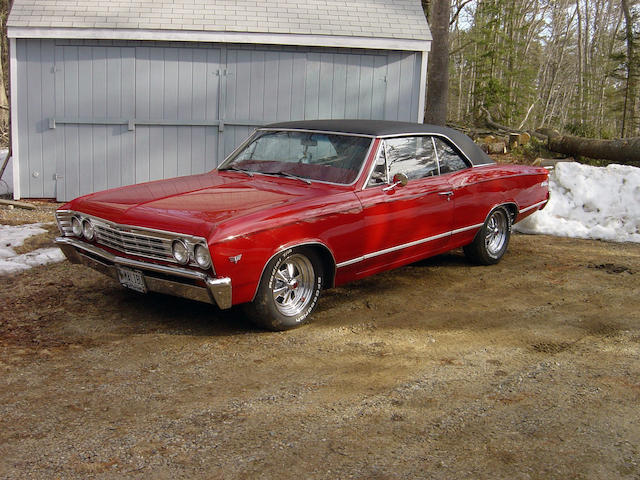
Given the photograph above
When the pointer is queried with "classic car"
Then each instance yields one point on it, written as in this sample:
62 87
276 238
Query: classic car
300 207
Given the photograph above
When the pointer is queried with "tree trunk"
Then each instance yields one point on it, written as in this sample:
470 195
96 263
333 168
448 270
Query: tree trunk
438 74
631 113
623 150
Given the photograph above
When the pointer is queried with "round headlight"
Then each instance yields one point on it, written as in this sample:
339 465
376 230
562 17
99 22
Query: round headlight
76 226
87 229
180 252
201 254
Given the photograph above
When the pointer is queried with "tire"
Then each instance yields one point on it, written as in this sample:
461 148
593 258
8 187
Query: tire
288 291
491 242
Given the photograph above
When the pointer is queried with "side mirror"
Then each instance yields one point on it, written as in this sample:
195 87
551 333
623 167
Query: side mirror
399 180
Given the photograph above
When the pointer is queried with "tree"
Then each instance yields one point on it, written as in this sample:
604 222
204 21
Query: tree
631 111
438 13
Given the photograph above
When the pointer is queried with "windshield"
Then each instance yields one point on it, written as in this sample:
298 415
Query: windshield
308 155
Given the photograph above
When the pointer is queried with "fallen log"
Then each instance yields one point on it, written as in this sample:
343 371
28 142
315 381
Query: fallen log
622 150
15 203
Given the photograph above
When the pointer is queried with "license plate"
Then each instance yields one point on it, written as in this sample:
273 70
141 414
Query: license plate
132 279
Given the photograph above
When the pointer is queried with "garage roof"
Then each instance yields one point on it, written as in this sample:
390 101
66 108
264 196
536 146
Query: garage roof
397 22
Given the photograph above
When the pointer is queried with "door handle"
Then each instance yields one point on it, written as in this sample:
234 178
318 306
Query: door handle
447 194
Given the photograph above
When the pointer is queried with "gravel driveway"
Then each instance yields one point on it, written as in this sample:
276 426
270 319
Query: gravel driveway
440 370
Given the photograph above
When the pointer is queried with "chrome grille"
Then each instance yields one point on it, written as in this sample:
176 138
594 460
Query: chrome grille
133 242
137 241
63 217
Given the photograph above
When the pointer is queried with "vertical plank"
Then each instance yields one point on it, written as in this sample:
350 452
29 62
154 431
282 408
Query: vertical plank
270 87
326 85
393 86
297 86
35 121
379 87
312 86
128 112
365 92
85 110
285 87
48 111
229 106
256 86
72 154
339 94
415 89
353 86
213 84
185 104
142 82
99 109
170 134
406 83
199 95
156 112
114 110
60 131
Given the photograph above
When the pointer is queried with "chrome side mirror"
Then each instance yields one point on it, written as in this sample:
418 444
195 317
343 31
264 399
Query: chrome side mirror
399 180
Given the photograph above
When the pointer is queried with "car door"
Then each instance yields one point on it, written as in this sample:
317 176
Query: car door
404 223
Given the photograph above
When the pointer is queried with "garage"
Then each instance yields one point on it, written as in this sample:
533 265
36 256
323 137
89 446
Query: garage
110 96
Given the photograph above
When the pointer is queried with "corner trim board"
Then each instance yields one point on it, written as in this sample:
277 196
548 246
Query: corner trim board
15 145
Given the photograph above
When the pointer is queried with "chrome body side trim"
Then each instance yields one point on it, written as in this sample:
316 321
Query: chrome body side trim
406 245
535 205
217 290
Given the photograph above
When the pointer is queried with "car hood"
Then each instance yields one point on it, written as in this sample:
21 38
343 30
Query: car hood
194 204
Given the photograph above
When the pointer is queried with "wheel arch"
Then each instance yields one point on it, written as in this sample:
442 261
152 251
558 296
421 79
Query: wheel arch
324 253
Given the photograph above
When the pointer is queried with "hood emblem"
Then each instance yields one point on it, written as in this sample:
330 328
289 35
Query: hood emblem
235 259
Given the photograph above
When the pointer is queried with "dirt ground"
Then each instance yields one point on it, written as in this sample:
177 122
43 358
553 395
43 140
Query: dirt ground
529 369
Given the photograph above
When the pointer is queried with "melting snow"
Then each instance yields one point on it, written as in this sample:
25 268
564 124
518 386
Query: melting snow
601 203
14 236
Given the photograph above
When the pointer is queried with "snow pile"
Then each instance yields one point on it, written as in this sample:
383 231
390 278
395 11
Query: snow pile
11 237
601 203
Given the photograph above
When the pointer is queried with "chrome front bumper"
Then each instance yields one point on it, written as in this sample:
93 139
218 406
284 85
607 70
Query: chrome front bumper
177 281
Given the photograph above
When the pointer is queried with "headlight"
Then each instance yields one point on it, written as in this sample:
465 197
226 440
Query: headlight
87 229
201 254
180 252
76 227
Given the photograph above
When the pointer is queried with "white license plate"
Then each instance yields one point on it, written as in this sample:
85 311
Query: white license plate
132 279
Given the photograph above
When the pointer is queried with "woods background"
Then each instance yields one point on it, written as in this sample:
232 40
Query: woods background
573 65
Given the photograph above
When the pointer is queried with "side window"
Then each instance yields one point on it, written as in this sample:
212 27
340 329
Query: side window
450 161
379 174
413 156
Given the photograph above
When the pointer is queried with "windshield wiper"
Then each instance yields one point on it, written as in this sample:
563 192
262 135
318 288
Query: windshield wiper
291 175
236 169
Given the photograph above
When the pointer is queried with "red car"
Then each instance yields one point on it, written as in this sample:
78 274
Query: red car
300 207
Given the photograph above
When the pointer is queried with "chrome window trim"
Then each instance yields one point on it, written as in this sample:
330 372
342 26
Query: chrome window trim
373 167
406 245
463 155
248 140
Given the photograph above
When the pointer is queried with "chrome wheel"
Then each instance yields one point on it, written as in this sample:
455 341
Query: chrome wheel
496 233
293 285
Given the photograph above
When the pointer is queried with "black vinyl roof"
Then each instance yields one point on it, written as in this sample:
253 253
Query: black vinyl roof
389 128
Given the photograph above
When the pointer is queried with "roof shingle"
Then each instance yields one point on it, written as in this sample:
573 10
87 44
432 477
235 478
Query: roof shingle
357 18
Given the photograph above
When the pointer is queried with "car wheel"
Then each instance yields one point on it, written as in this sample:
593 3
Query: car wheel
288 291
491 242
